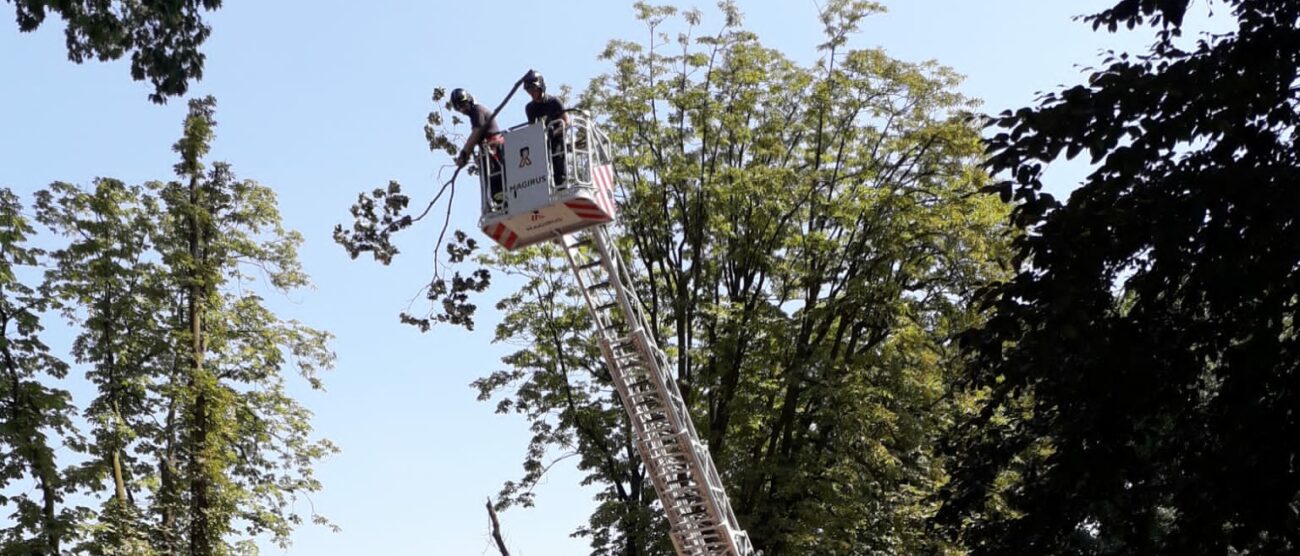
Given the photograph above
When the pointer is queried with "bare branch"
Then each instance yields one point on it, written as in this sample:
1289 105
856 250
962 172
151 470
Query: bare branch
496 528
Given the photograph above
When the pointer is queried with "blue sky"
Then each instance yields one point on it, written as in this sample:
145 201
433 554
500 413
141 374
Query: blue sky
323 99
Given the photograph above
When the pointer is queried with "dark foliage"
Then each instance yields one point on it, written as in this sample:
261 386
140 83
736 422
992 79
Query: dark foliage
1143 368
163 37
383 213
375 218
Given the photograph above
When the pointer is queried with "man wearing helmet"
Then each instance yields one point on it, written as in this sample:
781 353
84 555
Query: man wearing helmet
549 109
483 132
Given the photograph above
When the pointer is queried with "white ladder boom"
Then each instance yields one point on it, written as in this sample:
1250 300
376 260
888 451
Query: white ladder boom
699 514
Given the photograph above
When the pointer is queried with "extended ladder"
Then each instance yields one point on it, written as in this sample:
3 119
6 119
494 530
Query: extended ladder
699 513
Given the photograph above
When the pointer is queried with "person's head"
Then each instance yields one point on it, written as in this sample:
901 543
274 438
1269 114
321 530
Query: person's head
461 100
534 84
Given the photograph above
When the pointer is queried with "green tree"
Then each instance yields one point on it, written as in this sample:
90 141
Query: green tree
111 289
242 445
196 445
1141 369
163 38
30 409
808 239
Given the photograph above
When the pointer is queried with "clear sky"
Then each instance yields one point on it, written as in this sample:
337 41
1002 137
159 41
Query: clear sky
323 99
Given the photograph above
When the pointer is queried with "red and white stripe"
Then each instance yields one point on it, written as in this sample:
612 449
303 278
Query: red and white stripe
601 205
603 177
502 235
587 210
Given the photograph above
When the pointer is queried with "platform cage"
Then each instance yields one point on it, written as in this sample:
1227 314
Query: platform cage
554 179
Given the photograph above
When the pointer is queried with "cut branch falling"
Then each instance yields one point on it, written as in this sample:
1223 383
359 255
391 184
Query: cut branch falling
496 528
381 213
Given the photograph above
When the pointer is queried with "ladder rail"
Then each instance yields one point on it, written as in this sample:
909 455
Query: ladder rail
702 522
712 478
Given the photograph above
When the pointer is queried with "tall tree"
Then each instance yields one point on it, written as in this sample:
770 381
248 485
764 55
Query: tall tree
244 444
109 285
30 409
163 38
808 241
1142 369
807 238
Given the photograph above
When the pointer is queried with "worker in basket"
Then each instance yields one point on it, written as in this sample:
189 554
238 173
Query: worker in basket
484 134
548 109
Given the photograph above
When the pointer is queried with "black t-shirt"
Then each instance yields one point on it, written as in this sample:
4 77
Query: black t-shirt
547 107
478 115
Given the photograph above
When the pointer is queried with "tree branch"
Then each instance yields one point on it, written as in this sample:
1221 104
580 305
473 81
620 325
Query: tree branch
496 528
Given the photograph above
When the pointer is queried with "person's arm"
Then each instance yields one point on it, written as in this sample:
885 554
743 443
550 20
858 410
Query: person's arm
559 107
480 122
553 112
465 151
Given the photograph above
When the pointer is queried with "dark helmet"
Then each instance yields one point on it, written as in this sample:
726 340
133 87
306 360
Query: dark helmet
461 98
533 79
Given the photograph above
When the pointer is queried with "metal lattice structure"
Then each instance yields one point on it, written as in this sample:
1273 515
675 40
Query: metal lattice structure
699 513
578 212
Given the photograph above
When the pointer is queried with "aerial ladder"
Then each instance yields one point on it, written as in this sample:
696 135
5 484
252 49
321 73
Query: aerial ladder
577 214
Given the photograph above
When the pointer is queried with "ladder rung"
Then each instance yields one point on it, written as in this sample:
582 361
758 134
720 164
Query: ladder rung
640 398
696 508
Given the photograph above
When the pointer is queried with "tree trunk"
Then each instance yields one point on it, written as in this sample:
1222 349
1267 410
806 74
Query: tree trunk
29 451
119 483
50 495
168 491
200 503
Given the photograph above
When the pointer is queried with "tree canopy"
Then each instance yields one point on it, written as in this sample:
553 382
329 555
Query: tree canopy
34 415
194 444
1141 369
807 240
880 358
163 38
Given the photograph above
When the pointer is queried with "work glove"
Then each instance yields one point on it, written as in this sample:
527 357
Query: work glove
462 158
